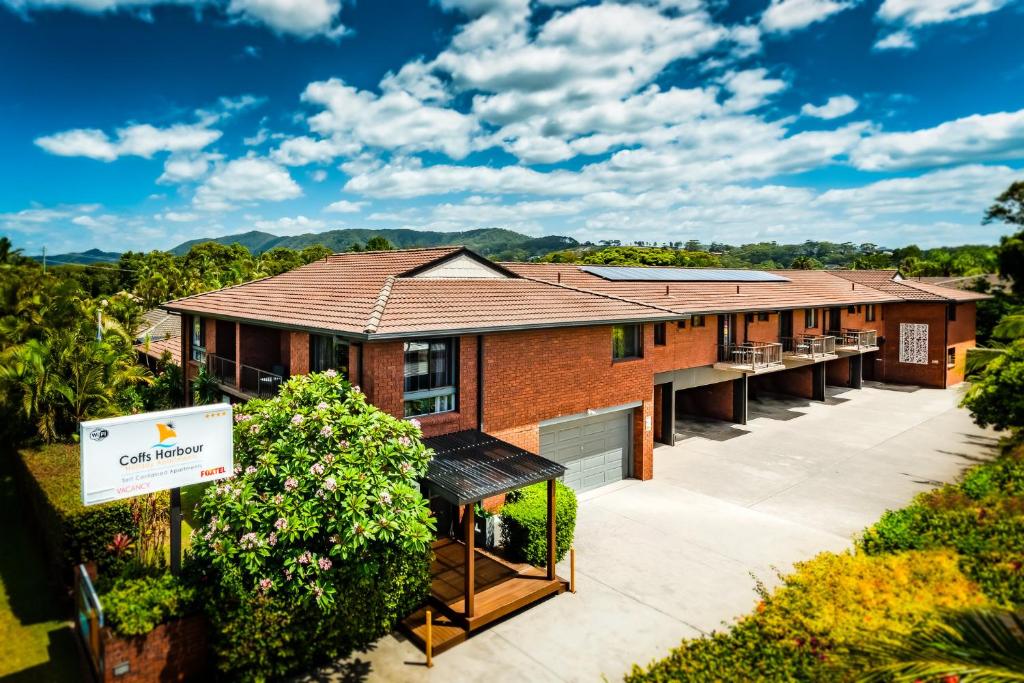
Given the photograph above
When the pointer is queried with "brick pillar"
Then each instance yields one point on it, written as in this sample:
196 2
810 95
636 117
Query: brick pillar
298 353
238 355
643 440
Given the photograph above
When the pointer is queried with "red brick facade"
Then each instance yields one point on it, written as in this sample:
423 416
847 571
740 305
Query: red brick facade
537 375
175 651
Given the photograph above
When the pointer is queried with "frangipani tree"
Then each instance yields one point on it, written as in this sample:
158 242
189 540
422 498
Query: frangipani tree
320 541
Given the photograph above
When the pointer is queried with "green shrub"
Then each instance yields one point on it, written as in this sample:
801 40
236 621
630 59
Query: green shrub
321 541
71 532
981 518
808 628
525 522
135 606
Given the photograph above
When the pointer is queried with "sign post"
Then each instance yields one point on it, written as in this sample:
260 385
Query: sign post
141 454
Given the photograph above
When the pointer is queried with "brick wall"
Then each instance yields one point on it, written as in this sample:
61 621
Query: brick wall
689 347
932 374
176 651
961 337
260 346
798 322
762 330
794 382
542 374
837 372
712 400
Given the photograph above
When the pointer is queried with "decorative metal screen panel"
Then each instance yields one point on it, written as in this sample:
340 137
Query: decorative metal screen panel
914 343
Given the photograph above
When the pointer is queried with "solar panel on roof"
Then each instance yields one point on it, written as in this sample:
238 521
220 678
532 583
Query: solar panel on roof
632 273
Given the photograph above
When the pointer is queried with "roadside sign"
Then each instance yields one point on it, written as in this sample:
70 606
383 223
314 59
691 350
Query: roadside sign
135 455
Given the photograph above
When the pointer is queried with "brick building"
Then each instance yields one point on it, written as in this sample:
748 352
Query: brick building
586 365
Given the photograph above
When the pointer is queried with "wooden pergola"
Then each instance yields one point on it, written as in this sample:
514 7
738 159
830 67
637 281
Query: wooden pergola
471 587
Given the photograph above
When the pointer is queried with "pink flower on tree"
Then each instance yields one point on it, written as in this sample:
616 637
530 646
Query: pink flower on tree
326 430
415 423
272 539
331 372
281 524
278 499
290 484
322 405
324 563
317 469
305 558
405 441
296 419
330 484
250 470
249 541
266 584
385 497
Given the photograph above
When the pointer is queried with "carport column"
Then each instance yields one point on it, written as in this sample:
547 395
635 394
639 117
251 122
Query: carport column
739 400
818 382
666 398
856 371
469 532
551 529
238 355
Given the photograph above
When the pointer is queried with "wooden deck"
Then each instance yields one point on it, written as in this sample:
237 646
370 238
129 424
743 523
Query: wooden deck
502 587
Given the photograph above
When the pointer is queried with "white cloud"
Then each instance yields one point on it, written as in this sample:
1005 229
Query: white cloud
244 180
303 150
834 108
141 140
783 16
184 168
289 225
905 16
923 12
897 40
178 216
303 18
393 120
344 206
751 88
980 137
42 215
318 176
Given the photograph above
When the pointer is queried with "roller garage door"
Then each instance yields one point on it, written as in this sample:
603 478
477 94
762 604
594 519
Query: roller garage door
595 450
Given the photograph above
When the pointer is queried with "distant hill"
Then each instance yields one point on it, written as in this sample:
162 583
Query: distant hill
493 242
80 258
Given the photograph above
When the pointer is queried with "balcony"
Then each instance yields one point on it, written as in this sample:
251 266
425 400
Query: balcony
859 341
752 356
243 380
812 347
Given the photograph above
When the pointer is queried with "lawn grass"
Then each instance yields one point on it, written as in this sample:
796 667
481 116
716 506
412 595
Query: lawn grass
36 639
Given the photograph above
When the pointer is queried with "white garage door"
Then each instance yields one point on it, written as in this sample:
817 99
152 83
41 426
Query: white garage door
595 450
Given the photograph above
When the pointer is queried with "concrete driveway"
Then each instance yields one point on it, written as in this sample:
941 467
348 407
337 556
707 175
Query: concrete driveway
671 558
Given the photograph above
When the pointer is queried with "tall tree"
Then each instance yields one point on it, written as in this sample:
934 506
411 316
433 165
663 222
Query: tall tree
1009 208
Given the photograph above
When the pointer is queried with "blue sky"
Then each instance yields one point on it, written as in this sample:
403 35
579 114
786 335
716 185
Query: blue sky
137 124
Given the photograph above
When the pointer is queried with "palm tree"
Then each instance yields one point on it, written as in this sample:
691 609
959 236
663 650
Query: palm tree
975 646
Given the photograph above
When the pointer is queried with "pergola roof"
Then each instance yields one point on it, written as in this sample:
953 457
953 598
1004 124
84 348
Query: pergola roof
470 466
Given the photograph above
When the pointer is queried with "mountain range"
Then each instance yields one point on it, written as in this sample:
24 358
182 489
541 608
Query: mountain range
496 243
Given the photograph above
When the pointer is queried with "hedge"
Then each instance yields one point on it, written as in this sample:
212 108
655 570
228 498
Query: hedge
525 522
135 606
809 628
981 518
71 532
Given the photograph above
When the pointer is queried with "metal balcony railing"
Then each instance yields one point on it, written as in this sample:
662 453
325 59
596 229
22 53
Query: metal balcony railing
809 346
221 368
857 339
253 381
260 382
751 355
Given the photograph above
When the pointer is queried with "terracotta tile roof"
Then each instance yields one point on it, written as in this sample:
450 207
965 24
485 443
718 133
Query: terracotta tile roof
156 347
367 294
908 289
805 288
158 324
378 294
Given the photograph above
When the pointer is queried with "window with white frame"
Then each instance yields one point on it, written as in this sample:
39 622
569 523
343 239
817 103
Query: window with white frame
430 377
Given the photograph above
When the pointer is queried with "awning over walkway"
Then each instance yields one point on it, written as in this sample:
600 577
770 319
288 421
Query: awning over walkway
470 466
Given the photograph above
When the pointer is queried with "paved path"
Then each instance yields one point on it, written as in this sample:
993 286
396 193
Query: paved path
670 558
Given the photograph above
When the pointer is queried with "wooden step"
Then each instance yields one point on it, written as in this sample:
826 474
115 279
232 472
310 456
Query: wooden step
446 633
